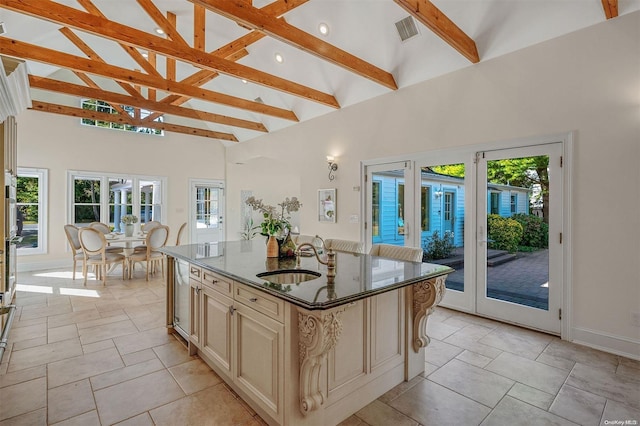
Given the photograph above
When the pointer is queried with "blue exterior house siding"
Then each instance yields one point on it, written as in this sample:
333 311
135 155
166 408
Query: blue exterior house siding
446 206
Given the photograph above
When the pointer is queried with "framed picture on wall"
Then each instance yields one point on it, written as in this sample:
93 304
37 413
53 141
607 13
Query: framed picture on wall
327 205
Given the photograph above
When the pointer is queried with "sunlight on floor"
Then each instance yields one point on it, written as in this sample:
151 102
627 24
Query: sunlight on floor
34 288
78 292
56 274
63 290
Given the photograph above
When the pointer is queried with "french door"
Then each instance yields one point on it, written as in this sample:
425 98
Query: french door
519 256
206 211
495 217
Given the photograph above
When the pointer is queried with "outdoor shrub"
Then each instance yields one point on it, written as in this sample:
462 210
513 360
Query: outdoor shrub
504 233
536 232
438 248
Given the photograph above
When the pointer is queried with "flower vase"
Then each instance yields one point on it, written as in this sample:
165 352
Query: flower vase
287 247
272 247
128 229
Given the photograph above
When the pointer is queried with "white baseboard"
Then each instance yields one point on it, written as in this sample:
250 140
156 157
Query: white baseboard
606 342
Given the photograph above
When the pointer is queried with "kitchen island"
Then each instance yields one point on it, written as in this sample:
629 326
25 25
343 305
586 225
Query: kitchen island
301 344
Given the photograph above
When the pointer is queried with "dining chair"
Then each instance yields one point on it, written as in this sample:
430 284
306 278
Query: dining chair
150 225
94 246
156 239
344 246
105 229
71 231
410 254
146 228
180 232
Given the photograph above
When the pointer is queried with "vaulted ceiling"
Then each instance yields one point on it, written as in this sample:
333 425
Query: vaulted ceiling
209 66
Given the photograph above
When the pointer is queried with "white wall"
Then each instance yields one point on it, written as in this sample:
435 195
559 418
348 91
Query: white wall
60 143
587 81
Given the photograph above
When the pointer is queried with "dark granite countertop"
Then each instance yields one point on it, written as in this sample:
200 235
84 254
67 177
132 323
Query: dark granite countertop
357 275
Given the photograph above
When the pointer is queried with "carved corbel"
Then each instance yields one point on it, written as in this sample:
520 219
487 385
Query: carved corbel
318 333
426 296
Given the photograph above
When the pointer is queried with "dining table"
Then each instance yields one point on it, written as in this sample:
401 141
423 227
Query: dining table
120 238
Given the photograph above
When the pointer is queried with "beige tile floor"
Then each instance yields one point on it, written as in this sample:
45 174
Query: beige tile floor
100 355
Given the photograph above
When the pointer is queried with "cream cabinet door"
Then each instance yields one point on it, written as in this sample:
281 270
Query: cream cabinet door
259 363
215 337
194 311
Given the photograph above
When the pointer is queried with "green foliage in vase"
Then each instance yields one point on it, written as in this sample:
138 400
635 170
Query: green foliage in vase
275 221
129 219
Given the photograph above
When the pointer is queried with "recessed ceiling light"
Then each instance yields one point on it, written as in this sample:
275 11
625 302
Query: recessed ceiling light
145 55
159 31
244 81
323 28
279 58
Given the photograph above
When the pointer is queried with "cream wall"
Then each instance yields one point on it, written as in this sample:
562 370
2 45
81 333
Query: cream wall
587 82
60 143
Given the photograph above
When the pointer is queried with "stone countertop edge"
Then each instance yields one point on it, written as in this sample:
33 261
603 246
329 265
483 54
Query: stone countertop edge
175 251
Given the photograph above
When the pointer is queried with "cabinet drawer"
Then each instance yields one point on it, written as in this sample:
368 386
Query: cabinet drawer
261 302
195 273
217 282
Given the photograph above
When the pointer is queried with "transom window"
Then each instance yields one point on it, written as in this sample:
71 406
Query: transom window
137 114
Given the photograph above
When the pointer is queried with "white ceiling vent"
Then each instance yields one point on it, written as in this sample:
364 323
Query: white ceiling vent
407 28
3 29
259 100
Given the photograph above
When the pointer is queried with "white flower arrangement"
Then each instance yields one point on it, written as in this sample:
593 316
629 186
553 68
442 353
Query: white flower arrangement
129 219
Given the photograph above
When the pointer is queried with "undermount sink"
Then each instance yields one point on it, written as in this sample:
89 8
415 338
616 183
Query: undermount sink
289 276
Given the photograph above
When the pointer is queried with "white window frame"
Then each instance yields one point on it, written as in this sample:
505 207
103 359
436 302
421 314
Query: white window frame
43 203
104 177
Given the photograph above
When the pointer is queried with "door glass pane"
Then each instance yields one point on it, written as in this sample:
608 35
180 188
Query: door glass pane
442 212
375 210
387 212
207 207
518 232
27 211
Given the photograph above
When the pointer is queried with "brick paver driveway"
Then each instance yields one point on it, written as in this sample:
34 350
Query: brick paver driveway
524 280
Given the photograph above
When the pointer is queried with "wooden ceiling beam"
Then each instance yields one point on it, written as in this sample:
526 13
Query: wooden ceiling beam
152 93
199 27
425 11
233 51
91 54
167 25
610 8
280 7
23 50
256 19
132 51
127 119
51 85
170 62
89 82
102 27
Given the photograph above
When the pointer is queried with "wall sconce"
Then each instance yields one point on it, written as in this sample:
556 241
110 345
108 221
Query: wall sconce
333 166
